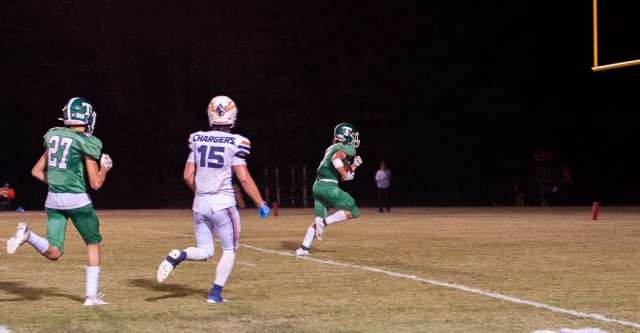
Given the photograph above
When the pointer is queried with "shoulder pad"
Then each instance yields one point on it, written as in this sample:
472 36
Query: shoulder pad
244 146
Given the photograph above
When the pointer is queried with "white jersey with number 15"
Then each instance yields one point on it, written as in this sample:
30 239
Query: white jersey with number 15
214 154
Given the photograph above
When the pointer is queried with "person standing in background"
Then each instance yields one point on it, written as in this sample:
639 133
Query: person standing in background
383 182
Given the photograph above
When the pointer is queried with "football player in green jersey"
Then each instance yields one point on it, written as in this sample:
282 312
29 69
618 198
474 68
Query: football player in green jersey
68 152
338 164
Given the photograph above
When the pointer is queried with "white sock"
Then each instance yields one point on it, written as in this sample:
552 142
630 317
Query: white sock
197 254
93 276
39 243
308 238
338 216
225 266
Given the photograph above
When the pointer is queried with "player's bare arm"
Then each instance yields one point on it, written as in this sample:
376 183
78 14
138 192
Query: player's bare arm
39 170
189 175
97 175
248 184
338 163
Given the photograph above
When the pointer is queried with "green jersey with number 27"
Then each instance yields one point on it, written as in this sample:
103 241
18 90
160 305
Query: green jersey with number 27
326 169
66 151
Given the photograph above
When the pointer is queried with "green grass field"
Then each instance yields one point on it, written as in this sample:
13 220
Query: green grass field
554 256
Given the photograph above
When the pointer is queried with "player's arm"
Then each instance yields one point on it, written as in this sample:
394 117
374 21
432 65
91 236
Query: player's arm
338 164
97 174
248 184
39 170
189 175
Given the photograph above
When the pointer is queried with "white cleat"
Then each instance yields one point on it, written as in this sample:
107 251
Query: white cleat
166 267
300 252
319 226
19 237
92 301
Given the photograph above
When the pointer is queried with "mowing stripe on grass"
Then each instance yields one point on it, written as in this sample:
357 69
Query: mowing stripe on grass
507 298
501 297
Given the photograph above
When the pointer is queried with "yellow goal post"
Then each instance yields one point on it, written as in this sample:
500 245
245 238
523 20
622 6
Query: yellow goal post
597 67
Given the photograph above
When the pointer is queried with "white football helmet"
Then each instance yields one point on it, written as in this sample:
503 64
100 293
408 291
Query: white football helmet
222 111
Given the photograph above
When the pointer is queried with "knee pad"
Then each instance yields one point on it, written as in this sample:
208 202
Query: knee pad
199 253
208 252
229 252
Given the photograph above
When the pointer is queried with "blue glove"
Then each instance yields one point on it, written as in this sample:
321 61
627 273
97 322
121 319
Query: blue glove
263 211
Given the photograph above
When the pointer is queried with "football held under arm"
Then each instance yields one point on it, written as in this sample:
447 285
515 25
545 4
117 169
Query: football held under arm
338 164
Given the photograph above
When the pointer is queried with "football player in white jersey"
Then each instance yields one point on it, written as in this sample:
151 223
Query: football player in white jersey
216 155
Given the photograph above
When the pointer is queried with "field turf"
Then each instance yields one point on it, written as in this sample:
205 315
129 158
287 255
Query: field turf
380 273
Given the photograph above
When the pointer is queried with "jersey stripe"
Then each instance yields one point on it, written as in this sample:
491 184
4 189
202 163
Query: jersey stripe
234 225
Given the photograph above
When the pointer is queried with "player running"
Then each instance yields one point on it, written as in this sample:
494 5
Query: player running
339 162
69 151
208 172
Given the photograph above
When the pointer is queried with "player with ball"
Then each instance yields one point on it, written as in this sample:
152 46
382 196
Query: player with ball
339 163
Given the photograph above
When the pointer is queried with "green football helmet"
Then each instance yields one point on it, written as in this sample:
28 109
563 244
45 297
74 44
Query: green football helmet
347 133
78 111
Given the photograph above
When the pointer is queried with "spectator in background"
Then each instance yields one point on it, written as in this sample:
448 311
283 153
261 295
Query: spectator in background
383 182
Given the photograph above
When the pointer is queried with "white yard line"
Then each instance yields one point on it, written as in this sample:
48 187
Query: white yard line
4 329
247 264
568 330
502 297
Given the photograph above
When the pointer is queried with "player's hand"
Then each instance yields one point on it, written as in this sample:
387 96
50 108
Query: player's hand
349 176
357 161
263 211
106 162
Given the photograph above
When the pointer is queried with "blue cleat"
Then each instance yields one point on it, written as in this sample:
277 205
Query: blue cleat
215 295
212 298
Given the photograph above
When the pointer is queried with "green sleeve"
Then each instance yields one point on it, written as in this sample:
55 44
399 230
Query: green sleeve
349 150
92 147
46 140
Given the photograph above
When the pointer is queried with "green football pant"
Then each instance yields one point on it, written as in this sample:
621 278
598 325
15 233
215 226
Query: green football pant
328 195
84 219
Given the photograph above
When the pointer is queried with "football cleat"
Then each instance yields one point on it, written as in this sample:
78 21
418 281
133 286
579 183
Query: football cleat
319 226
92 301
166 267
19 237
215 299
300 252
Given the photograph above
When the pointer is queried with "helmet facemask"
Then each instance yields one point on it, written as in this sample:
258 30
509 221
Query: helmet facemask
91 125
355 139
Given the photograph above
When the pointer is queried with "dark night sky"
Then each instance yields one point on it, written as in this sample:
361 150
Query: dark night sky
454 95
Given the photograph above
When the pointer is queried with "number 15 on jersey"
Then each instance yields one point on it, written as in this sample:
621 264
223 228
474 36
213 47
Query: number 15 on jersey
211 157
